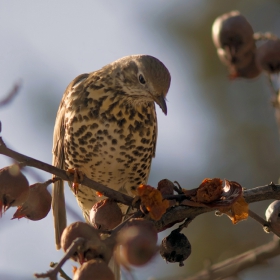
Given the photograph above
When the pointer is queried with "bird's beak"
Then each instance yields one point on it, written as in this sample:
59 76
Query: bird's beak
160 100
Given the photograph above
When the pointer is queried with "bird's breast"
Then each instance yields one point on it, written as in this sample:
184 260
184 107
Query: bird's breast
112 143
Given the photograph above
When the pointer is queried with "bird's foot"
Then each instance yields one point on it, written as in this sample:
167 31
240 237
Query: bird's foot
136 200
78 177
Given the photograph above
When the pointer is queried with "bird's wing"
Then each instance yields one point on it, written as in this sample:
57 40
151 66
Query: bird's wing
58 200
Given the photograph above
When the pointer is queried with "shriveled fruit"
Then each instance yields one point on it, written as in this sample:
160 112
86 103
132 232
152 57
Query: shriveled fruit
105 214
268 56
233 37
94 270
175 248
14 188
144 225
38 204
84 230
250 71
272 215
138 245
166 187
233 32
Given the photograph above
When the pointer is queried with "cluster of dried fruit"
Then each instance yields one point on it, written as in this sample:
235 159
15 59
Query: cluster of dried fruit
137 240
234 38
33 202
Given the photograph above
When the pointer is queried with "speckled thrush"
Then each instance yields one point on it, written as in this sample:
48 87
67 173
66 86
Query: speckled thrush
106 127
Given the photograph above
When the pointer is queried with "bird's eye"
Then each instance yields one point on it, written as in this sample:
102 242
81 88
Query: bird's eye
141 79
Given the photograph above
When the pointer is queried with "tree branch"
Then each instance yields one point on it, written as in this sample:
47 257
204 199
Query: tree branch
238 263
11 94
173 215
28 161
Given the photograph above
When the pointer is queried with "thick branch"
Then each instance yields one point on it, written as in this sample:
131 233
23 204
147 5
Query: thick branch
179 213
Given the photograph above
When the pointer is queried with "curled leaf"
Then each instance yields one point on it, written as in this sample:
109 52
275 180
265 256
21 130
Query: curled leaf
238 211
209 190
214 193
152 199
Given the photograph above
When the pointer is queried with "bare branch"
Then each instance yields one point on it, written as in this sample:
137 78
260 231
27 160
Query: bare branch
52 274
238 263
11 94
28 161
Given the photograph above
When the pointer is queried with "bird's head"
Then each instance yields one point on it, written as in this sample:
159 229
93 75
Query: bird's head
144 78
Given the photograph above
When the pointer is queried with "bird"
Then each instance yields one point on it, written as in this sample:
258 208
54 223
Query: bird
106 127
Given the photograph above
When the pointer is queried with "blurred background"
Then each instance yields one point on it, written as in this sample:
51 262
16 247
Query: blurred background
214 128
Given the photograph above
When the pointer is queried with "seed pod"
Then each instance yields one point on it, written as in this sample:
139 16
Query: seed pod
272 215
94 269
268 56
14 188
105 214
175 248
38 204
138 245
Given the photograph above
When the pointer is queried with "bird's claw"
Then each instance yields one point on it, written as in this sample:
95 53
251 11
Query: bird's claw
78 177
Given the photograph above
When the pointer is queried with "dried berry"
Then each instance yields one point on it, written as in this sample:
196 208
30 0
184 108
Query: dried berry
234 34
138 245
166 187
105 214
94 269
233 37
250 71
144 225
175 248
86 231
14 188
38 204
272 215
268 56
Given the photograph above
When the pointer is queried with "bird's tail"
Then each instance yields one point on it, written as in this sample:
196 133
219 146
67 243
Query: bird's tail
114 264
59 211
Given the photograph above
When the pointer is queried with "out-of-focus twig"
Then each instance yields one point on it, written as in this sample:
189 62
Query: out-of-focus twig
52 274
258 36
61 271
11 94
238 263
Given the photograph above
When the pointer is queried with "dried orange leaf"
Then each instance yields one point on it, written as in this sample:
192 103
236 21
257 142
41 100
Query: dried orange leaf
152 199
214 193
238 211
209 190
231 192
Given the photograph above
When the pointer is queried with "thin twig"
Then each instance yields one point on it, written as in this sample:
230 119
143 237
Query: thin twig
61 271
258 36
11 94
52 274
